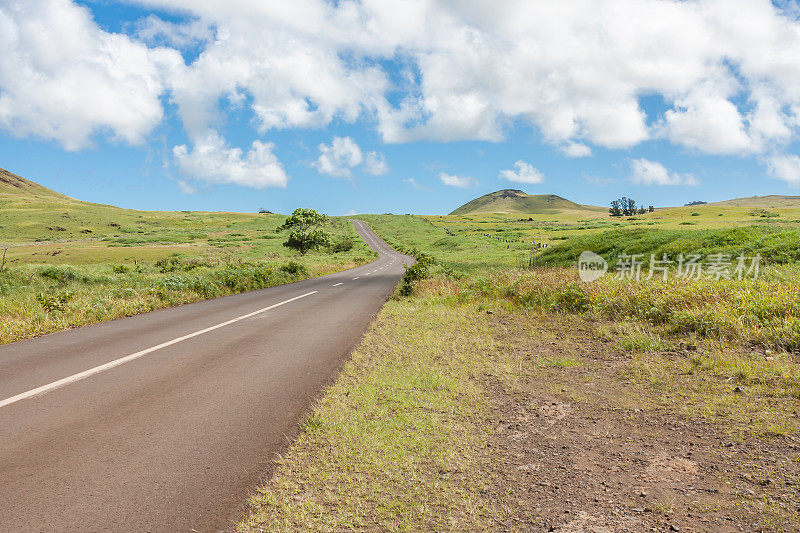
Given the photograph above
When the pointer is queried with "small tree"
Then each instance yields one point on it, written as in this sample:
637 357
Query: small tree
303 219
616 210
651 208
308 239
629 206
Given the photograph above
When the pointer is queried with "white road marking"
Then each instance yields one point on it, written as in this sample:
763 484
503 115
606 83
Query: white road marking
355 278
335 284
122 360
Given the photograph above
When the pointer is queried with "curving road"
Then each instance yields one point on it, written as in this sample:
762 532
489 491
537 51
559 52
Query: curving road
163 421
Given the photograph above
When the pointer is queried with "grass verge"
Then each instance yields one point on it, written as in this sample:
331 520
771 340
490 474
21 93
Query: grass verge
464 410
398 442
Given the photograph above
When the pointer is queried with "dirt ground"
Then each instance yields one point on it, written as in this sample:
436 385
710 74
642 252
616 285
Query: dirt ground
571 457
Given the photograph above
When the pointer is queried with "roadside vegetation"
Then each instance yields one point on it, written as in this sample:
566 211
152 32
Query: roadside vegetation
179 258
497 391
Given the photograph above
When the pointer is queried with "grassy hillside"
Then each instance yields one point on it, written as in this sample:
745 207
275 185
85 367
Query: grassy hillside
772 201
775 245
66 263
38 225
492 396
12 186
516 201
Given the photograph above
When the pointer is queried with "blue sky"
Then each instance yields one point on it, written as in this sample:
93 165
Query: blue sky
668 125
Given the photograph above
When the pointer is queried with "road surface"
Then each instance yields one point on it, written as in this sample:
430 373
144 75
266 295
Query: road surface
163 421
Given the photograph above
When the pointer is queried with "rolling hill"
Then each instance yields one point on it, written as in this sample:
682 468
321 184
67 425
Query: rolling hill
516 201
12 185
772 201
41 225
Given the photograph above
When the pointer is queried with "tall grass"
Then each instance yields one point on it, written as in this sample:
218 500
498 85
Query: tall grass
775 245
39 299
763 312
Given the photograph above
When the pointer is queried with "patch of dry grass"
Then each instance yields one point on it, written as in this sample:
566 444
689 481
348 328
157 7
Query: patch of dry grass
398 443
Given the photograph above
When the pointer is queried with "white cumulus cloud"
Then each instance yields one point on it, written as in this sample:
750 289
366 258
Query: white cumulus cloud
524 173
211 160
645 172
339 157
63 78
785 167
576 150
343 155
376 164
728 71
156 31
455 180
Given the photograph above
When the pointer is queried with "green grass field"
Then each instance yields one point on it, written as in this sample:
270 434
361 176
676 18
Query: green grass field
487 240
67 263
411 436
409 424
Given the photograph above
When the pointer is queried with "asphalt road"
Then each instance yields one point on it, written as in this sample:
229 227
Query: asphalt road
163 421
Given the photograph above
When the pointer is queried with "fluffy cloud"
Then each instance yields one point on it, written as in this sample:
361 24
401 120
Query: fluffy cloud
213 161
576 150
454 180
376 164
337 158
156 31
524 173
644 172
63 78
728 70
785 167
343 154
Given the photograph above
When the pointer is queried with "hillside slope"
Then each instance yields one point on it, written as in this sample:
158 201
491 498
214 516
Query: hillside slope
31 214
772 201
516 201
12 185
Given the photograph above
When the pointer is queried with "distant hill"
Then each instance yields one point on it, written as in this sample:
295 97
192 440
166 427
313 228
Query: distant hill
516 201
773 201
13 185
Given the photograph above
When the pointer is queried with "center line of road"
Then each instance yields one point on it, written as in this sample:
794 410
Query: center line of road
336 284
122 360
355 278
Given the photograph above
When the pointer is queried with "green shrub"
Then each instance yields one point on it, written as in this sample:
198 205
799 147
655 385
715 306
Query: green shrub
203 287
61 274
294 268
173 283
306 240
419 270
54 302
342 244
241 278
168 264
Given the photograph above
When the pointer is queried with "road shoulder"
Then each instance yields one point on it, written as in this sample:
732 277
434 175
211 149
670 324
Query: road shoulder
452 417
